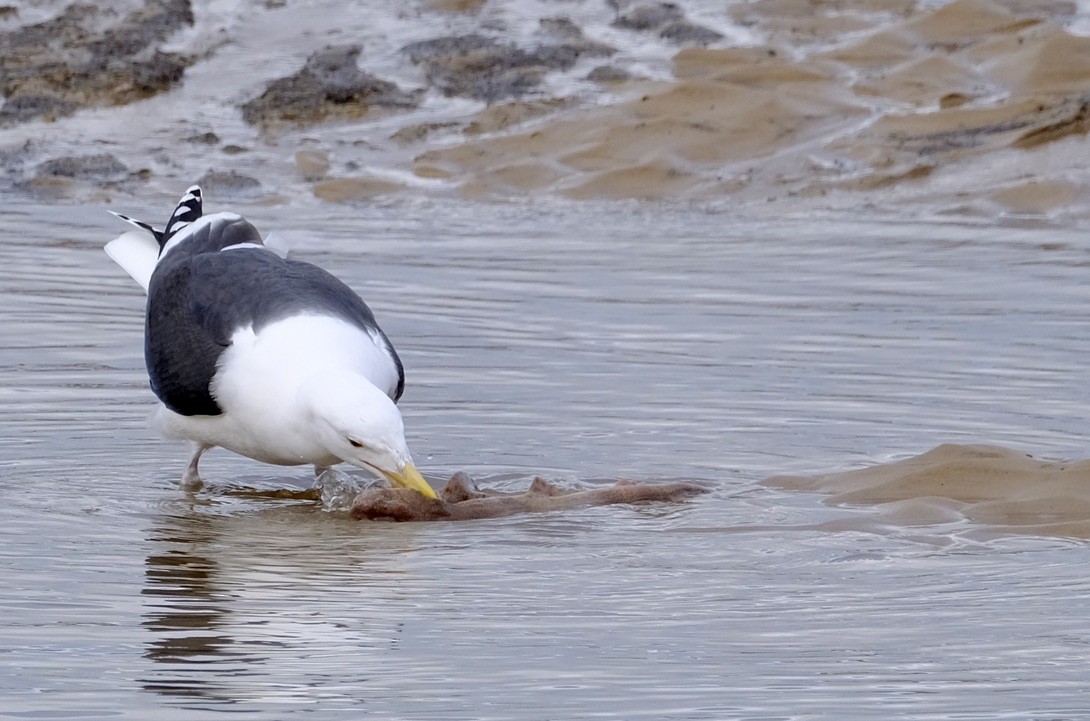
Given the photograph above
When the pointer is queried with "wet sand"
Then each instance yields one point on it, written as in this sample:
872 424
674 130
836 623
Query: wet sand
993 487
976 107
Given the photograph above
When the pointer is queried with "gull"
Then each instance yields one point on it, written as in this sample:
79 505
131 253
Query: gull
271 358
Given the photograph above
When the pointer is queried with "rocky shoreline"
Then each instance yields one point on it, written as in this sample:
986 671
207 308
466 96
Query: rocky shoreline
88 56
974 107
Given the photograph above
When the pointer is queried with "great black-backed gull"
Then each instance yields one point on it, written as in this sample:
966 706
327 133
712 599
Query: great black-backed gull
271 358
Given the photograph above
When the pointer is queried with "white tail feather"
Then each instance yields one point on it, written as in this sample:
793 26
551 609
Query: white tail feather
137 253
277 244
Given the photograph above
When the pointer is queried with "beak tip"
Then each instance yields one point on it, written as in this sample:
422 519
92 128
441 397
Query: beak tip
409 477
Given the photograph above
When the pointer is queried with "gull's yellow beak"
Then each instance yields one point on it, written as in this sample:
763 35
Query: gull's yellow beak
408 477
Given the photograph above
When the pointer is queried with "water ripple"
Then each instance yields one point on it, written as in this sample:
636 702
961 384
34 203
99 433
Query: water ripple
583 346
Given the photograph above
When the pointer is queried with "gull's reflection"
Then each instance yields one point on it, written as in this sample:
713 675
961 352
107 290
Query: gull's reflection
184 612
181 576
240 589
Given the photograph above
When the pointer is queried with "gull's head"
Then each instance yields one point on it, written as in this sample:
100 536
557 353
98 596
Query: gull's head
359 424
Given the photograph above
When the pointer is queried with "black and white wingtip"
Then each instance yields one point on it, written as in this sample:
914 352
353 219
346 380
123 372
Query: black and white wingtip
138 254
189 209
156 233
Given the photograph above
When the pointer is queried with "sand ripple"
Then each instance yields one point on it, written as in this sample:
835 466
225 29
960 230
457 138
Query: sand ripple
948 105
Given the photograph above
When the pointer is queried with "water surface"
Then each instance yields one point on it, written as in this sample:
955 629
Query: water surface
585 343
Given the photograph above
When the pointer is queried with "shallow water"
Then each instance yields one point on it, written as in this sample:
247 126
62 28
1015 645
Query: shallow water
582 342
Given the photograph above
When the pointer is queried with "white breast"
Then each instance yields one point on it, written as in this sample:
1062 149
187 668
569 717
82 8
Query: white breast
258 383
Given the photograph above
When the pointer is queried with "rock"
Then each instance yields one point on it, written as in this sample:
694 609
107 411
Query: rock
608 74
485 79
28 107
683 32
229 184
59 176
648 17
461 500
425 51
475 66
561 28
482 68
571 36
99 166
15 155
330 85
953 100
53 68
208 138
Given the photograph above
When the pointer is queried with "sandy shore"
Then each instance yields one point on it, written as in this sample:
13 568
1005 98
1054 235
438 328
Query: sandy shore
979 106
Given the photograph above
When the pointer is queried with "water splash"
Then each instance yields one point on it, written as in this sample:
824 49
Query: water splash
338 489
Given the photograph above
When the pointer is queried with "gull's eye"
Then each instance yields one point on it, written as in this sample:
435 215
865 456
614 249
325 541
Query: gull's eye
354 443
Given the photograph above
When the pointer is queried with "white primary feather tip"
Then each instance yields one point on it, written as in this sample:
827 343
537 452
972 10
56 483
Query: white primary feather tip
137 253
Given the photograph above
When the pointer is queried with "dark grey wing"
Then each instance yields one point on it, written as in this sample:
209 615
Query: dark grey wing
180 348
197 303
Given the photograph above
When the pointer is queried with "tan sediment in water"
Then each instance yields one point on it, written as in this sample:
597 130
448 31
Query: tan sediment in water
341 190
950 106
313 164
993 488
